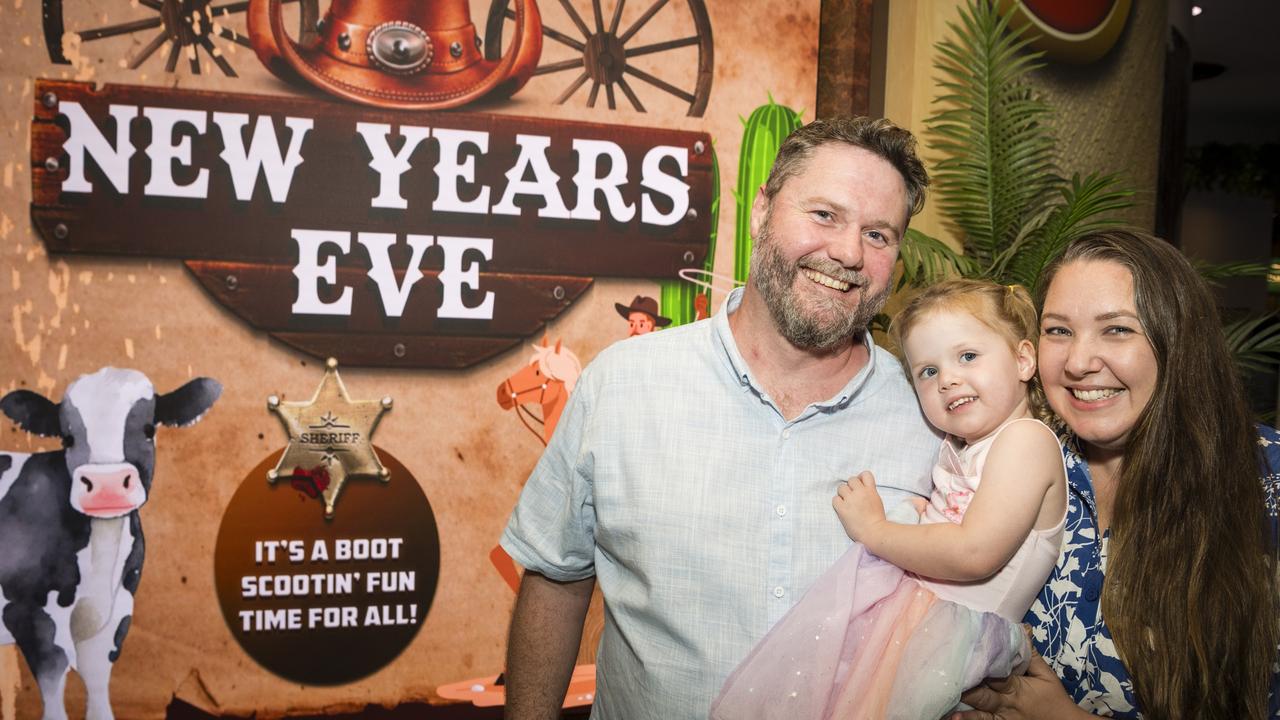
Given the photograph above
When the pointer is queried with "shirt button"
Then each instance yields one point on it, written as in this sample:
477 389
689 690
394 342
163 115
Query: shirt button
786 433
779 592
781 510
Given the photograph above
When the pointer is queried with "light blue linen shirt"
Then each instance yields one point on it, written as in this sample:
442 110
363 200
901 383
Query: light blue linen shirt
703 513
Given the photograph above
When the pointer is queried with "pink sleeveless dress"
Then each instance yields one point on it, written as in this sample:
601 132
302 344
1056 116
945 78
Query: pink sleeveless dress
870 641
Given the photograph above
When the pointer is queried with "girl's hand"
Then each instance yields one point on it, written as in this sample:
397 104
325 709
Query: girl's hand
859 506
1038 694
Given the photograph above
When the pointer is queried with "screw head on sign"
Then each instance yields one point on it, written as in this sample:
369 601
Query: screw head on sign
699 148
61 231
688 256
49 100
692 214
51 164
399 350
233 282
558 292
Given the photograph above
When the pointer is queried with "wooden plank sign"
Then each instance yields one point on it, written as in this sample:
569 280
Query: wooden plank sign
382 238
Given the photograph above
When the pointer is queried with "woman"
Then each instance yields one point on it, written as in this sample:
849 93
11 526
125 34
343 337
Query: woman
1164 495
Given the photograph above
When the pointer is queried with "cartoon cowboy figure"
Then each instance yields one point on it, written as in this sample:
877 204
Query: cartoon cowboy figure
642 315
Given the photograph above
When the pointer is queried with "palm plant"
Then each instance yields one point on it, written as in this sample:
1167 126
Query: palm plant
997 181
998 185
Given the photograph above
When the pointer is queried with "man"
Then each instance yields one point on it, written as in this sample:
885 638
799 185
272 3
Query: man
692 472
642 316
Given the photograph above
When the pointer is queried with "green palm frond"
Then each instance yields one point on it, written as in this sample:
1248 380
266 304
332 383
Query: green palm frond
1086 206
998 166
926 260
1255 342
1217 272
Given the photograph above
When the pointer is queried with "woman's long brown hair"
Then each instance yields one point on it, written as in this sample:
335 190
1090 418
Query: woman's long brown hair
1190 594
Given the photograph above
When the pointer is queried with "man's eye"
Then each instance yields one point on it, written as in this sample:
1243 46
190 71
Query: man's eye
877 238
823 214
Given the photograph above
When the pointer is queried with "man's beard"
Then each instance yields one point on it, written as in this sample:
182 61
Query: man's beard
826 323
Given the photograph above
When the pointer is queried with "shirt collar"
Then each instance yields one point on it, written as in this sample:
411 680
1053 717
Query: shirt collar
742 372
1079 479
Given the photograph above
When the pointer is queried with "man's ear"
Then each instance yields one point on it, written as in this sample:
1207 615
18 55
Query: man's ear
759 211
1026 356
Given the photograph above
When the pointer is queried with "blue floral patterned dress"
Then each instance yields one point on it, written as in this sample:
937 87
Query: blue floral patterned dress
1066 619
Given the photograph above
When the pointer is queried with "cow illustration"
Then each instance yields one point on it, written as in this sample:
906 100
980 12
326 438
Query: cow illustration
71 542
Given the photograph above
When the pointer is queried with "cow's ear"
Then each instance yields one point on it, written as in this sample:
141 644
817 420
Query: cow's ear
33 412
188 403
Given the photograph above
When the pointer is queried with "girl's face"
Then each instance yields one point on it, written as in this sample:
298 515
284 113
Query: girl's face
1096 363
970 382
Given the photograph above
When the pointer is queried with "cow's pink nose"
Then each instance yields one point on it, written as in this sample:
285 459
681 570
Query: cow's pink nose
109 492
100 481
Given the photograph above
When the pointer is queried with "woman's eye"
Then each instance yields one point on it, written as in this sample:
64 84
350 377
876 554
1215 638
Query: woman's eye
1119 330
969 356
1055 330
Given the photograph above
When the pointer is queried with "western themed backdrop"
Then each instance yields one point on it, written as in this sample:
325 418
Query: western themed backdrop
295 293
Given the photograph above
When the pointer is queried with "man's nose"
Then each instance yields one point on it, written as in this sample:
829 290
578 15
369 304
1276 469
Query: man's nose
847 249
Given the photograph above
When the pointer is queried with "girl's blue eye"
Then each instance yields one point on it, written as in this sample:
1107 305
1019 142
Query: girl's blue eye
926 373
969 356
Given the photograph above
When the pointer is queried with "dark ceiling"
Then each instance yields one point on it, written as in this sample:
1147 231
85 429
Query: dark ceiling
1243 103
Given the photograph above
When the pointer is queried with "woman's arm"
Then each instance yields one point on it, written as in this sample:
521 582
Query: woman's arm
1023 473
1038 694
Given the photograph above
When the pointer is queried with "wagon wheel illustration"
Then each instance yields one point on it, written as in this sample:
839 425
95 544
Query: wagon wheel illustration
607 51
181 24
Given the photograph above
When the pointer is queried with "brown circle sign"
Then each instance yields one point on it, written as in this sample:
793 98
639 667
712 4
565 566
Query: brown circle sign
325 602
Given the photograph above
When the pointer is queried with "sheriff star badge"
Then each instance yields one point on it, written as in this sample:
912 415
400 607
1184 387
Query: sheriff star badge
330 439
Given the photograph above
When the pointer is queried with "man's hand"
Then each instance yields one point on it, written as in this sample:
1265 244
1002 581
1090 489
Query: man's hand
1038 695
859 506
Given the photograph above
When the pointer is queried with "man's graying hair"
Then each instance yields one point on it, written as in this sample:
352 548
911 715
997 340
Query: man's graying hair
876 135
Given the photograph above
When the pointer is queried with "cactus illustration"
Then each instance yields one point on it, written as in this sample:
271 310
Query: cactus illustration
676 299
763 134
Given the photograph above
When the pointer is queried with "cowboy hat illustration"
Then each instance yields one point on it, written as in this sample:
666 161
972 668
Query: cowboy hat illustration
644 306
406 54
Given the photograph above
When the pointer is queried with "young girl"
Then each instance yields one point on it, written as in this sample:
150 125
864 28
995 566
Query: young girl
917 612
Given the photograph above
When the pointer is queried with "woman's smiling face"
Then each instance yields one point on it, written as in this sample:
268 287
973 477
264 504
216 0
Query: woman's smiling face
1096 364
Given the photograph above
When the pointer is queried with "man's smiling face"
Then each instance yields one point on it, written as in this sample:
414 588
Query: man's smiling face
826 244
